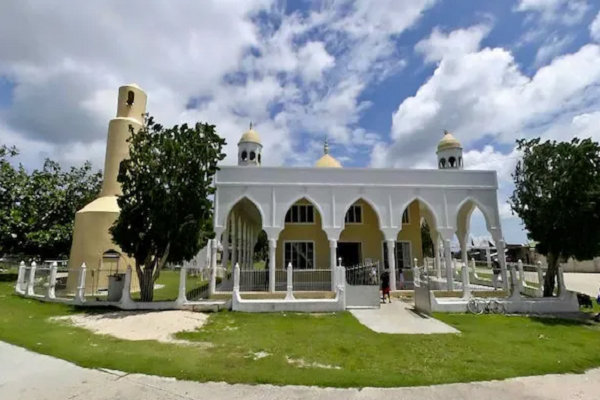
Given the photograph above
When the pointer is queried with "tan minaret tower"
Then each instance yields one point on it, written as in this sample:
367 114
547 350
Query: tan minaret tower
92 242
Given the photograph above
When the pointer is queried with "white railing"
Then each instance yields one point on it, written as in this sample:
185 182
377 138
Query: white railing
312 280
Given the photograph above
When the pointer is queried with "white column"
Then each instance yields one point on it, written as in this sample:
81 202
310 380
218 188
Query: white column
20 287
290 282
521 273
243 261
31 282
240 230
332 261
438 263
466 290
251 247
540 273
225 244
182 278
502 261
272 264
463 253
448 259
234 241
391 247
50 294
80 294
212 285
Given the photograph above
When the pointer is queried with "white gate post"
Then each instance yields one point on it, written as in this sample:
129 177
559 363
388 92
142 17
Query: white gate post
540 289
80 293
31 282
521 273
19 287
182 279
236 278
466 282
290 283
332 257
272 264
50 294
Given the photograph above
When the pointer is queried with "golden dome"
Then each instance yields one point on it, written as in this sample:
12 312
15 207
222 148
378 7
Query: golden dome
327 161
250 136
448 142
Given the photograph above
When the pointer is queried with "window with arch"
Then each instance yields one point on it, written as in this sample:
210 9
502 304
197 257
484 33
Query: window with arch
252 156
405 218
130 98
259 158
442 163
244 155
460 161
300 214
354 214
452 162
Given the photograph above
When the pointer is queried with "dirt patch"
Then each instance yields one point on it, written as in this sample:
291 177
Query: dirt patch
300 363
140 325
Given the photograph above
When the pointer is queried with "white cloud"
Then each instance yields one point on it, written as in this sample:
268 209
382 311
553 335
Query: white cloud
68 61
552 47
595 28
456 43
568 12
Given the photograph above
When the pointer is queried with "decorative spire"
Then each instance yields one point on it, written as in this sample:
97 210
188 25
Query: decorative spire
445 131
250 125
326 147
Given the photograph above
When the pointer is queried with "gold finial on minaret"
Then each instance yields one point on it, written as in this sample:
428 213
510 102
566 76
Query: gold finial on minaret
250 125
445 132
326 147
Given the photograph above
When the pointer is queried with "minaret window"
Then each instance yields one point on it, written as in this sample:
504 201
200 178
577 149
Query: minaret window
442 162
452 162
460 164
244 155
259 158
252 156
130 98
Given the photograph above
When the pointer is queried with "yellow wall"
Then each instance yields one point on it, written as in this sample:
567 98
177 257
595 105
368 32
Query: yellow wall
368 233
302 232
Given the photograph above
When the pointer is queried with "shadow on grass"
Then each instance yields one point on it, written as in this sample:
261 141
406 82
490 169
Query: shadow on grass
8 277
566 319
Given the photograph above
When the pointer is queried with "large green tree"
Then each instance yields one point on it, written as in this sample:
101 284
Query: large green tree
166 207
557 195
37 209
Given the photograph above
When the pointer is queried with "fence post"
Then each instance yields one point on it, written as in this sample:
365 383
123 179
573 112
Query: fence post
182 278
236 278
80 293
466 282
125 300
212 284
514 282
540 273
19 287
31 282
50 294
521 274
562 289
416 273
290 283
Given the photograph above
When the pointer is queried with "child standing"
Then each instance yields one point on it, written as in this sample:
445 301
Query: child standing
385 285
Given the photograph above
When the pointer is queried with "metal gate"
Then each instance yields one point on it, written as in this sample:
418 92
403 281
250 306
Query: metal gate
362 285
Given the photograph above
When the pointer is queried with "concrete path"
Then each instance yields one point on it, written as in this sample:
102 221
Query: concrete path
584 283
398 317
29 376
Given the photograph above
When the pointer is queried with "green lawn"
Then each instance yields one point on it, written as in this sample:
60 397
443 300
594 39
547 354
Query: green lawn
489 347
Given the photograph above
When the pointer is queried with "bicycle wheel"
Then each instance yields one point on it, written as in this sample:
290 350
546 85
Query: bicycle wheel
497 307
475 306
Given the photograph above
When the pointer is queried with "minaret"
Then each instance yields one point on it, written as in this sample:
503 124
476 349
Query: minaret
250 149
92 242
449 152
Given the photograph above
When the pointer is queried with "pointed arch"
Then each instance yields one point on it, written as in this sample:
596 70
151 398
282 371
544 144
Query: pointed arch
431 210
366 200
306 197
230 206
474 204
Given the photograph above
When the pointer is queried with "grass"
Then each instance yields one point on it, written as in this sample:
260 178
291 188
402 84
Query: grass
489 347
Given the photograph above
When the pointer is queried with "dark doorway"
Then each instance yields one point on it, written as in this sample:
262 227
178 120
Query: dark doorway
349 253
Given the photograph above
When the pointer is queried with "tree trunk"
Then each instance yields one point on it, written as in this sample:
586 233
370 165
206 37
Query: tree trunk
146 279
550 278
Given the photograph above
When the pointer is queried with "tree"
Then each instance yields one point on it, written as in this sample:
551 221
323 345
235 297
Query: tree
426 242
166 207
37 210
261 248
557 195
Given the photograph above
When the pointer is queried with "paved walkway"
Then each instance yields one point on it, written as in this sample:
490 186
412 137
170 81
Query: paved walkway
398 317
584 283
29 376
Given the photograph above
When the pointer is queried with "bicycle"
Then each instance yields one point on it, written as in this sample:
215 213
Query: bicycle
479 306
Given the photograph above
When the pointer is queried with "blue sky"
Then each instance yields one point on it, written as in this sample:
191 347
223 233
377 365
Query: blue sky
381 80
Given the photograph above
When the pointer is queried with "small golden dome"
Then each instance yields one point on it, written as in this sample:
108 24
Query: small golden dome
327 161
250 136
448 142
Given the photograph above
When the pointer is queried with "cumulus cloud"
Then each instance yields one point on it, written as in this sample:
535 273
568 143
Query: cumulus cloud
568 12
595 28
456 43
227 62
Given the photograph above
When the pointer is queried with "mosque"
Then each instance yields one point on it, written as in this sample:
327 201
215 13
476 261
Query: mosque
312 216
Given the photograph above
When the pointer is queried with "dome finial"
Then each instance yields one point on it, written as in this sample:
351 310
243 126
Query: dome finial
250 125
326 147
446 132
